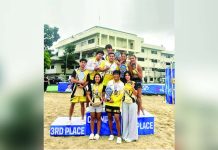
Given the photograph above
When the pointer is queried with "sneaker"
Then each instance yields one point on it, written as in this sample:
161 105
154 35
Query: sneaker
91 137
111 138
128 140
119 140
83 120
96 137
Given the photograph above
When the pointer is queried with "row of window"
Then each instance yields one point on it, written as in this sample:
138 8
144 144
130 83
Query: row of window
90 41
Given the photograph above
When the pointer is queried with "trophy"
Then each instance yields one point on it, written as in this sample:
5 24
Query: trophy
108 92
117 55
122 70
96 99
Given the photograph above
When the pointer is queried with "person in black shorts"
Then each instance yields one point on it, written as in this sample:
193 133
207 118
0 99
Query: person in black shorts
136 73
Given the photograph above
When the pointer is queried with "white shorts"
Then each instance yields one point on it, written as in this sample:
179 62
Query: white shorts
95 109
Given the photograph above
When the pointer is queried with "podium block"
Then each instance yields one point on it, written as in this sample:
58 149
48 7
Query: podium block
104 125
62 127
145 123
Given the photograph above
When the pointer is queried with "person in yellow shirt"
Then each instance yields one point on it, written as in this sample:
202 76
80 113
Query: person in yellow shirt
93 65
109 49
136 73
107 67
93 68
96 96
113 102
79 78
129 110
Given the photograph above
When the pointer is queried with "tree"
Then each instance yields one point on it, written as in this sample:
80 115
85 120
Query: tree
50 36
47 60
69 58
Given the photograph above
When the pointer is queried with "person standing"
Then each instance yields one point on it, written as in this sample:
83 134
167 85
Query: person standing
79 78
96 96
109 49
129 110
45 83
93 68
112 105
136 73
123 65
107 67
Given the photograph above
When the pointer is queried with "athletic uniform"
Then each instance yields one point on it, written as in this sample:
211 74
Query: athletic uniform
135 77
129 113
116 96
96 91
108 75
90 66
78 94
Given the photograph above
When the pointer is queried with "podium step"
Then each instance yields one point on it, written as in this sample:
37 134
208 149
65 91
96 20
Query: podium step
62 127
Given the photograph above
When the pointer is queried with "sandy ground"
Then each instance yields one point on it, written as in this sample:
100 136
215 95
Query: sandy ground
57 104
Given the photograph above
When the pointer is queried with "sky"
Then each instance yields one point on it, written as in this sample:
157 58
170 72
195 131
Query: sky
152 20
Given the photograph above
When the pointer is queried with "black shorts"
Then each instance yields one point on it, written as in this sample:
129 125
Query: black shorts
138 83
112 109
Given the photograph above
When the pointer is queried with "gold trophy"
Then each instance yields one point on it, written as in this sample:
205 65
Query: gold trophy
96 99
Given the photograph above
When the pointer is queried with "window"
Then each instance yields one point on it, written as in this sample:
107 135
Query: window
154 69
142 50
153 52
131 53
167 63
151 79
143 68
52 66
154 60
91 41
141 59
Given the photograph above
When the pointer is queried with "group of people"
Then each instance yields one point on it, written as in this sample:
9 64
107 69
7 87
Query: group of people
123 78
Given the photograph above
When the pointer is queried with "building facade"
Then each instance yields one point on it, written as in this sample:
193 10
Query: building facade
153 59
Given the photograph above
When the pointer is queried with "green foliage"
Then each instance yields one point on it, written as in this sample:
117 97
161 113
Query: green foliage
69 57
47 59
50 36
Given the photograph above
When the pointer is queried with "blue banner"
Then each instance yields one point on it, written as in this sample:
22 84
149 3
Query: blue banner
64 87
157 89
170 86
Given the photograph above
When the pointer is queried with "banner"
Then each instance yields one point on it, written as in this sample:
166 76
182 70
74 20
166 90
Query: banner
156 89
170 86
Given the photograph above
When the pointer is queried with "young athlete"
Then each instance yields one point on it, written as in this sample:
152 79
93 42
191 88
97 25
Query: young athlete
136 73
129 110
109 49
79 78
123 65
112 105
107 67
93 68
96 96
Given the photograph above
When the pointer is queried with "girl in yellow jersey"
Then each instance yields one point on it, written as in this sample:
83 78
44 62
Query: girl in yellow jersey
129 110
96 94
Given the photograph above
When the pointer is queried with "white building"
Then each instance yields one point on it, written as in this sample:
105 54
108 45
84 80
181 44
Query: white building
153 59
